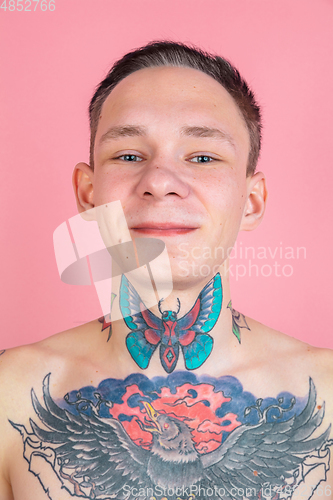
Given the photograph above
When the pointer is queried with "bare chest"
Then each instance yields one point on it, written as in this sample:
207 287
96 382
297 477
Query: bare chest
177 436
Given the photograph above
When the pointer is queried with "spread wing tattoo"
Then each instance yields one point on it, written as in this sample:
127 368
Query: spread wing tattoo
190 332
269 452
93 448
100 454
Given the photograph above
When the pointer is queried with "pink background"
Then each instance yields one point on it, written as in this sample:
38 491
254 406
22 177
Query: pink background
51 62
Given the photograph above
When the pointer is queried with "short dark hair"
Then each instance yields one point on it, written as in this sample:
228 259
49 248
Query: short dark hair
164 53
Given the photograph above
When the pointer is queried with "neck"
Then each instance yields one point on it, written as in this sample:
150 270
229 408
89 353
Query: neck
193 331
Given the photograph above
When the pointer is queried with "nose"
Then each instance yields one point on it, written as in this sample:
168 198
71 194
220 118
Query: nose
161 179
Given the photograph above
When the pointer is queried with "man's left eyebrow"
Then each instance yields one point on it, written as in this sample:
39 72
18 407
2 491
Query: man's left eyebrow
213 133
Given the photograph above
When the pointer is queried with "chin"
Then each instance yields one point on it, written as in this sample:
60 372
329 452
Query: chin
188 272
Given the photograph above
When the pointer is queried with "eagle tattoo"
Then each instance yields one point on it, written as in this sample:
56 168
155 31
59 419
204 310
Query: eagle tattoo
97 453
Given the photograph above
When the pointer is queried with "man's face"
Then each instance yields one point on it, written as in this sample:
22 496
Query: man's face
172 146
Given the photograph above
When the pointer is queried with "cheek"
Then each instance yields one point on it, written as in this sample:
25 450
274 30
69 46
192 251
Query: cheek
227 202
227 196
110 186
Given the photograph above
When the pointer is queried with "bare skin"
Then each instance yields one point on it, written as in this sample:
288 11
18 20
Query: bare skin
180 186
269 363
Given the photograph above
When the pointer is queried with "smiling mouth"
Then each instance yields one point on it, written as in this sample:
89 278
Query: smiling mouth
163 229
163 232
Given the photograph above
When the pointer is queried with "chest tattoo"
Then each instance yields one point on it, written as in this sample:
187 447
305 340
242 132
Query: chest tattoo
180 436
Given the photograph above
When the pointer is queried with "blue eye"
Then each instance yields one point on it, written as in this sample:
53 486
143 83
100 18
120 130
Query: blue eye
202 159
130 157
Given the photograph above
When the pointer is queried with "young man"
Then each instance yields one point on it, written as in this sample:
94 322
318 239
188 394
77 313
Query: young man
186 398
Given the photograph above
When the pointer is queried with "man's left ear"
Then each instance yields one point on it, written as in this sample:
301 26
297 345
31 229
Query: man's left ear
256 202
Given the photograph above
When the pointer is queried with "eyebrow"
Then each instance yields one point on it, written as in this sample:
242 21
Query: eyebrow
189 131
213 133
125 131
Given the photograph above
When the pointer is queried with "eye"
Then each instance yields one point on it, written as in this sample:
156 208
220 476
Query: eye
166 426
129 158
202 159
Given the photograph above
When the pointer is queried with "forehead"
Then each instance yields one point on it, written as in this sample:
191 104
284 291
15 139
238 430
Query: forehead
172 96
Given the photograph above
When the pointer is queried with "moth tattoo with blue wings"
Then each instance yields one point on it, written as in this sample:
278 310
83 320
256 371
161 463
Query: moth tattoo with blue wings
190 332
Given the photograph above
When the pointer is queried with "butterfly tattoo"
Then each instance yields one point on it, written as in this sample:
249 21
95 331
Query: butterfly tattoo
190 332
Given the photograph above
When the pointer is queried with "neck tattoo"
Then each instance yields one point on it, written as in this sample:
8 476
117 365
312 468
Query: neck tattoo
238 321
106 320
190 332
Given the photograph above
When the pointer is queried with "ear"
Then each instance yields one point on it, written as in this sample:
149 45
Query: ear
256 202
83 184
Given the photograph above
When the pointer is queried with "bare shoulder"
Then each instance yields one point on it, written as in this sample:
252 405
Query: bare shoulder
291 359
58 349
21 368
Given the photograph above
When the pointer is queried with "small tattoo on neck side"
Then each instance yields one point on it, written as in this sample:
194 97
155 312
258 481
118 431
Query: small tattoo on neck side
238 321
106 320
